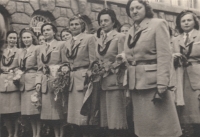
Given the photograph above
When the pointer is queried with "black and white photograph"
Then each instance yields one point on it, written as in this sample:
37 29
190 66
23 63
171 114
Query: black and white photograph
99 68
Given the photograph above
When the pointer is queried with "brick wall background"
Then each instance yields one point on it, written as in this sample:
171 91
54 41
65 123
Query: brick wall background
18 13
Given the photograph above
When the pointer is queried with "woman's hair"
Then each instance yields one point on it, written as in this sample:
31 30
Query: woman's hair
112 15
39 36
64 30
29 30
51 24
10 32
80 18
124 25
183 13
148 9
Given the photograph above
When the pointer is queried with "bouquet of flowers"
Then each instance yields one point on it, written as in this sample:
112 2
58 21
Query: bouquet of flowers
61 82
180 61
36 99
17 75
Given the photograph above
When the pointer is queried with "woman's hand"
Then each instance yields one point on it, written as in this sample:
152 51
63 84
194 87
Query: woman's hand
121 58
161 89
38 87
177 55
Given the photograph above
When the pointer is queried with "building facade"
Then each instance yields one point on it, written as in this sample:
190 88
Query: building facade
19 14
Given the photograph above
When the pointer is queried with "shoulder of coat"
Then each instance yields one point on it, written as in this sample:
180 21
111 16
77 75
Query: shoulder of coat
158 21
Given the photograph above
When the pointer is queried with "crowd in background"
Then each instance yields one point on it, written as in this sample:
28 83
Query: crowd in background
132 80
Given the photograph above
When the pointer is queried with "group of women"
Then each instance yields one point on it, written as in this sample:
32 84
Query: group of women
143 67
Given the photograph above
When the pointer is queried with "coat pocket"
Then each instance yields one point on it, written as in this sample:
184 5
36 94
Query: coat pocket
194 76
146 76
151 74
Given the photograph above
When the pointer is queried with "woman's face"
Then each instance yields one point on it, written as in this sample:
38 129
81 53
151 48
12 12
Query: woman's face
75 27
187 23
124 29
27 39
48 32
12 39
137 11
66 36
41 40
106 23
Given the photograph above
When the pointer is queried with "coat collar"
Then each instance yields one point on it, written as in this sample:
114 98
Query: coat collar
192 38
142 26
112 34
14 50
29 52
52 47
78 40
110 37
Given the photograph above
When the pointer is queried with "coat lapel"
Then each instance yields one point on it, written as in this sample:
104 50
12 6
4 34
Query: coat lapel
5 53
143 25
193 36
14 50
29 52
78 40
111 36
52 47
181 41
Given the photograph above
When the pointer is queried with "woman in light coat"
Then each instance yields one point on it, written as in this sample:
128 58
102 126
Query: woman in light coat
29 62
80 52
10 103
186 62
51 59
112 95
147 50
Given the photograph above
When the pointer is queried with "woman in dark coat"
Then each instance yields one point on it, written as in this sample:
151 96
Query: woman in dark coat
51 60
29 62
10 103
186 62
147 50
112 95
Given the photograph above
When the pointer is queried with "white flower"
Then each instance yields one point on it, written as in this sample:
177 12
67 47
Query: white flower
65 69
11 71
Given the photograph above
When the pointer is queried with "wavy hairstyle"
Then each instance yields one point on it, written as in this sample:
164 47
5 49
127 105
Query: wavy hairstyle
112 15
29 30
148 9
64 30
81 21
183 13
10 32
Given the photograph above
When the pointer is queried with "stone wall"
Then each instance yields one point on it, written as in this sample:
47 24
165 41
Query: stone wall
21 11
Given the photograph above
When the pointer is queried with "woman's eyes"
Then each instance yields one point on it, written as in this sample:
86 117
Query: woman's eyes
137 8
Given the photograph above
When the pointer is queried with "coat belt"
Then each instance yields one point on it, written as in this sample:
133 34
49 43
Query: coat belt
142 62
